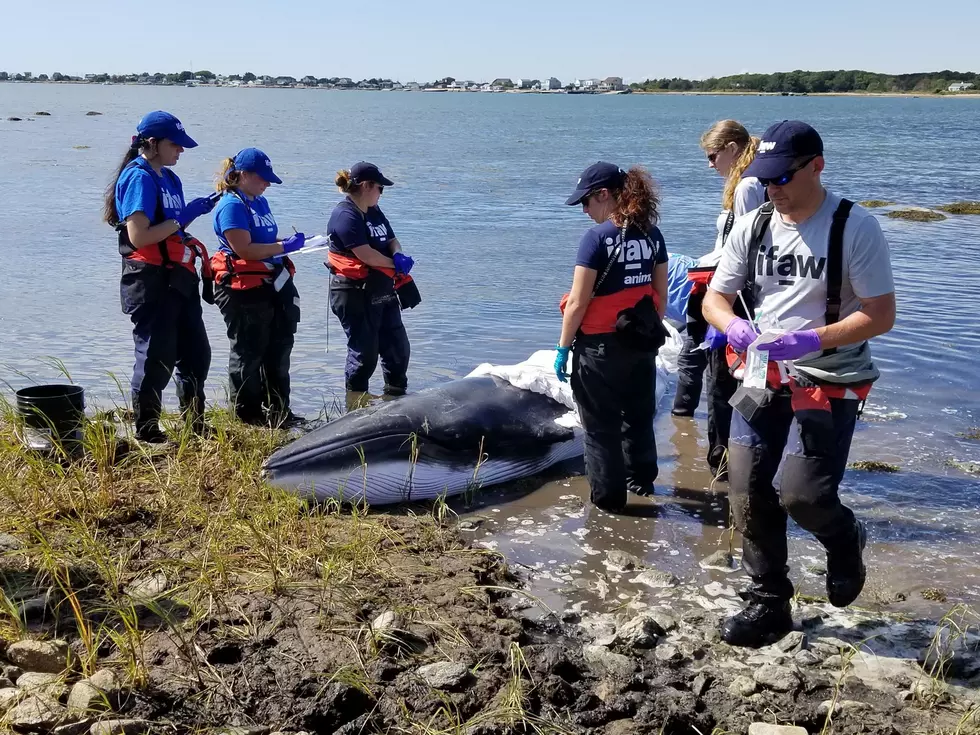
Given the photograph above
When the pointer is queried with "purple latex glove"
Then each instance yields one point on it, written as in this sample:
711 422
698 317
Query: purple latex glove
792 345
293 243
740 334
715 339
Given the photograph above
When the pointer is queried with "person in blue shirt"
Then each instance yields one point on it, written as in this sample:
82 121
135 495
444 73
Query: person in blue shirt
255 290
367 265
614 313
159 284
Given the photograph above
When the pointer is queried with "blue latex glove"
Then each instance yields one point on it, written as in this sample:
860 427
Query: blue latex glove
293 243
715 339
403 263
194 209
740 334
561 363
792 345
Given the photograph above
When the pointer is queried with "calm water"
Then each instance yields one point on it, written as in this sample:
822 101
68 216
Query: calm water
481 181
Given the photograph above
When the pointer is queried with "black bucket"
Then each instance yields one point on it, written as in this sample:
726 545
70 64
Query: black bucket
53 416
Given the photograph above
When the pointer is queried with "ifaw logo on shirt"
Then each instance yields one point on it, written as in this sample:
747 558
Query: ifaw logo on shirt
264 220
378 231
788 267
171 201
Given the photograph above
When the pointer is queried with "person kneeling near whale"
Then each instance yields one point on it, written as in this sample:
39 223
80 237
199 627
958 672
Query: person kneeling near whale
613 313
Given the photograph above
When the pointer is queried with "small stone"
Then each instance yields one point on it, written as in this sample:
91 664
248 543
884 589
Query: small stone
764 728
148 588
719 560
120 727
643 631
777 678
444 675
51 685
49 657
823 709
668 653
607 663
86 699
852 705
807 658
5 683
656 579
9 696
36 712
700 684
13 672
835 662
743 686
73 728
385 622
9 543
792 642
620 561
664 619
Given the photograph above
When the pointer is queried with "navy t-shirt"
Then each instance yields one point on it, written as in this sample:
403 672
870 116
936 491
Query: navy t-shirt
635 263
349 228
140 189
234 214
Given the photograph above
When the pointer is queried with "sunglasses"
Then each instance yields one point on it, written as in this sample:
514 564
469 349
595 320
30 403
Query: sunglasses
786 177
712 157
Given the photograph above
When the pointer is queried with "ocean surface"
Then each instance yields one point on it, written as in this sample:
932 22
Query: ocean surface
478 201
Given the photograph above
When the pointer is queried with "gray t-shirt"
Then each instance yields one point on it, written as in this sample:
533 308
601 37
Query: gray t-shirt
792 279
749 194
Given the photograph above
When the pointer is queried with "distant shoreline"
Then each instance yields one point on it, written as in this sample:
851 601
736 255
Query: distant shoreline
728 93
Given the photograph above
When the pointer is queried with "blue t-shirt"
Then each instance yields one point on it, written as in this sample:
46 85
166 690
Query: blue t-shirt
253 215
636 261
349 228
140 189
678 286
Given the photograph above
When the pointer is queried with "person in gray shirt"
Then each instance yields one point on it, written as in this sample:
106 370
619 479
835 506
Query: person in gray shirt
814 256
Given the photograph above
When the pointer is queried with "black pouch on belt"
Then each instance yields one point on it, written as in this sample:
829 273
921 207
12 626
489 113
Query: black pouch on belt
640 326
750 402
408 293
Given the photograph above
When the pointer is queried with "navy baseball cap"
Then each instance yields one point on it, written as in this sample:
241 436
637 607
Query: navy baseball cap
363 171
781 145
252 159
600 175
160 124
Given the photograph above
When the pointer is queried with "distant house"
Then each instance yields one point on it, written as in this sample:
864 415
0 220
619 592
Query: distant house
413 87
524 83
345 82
960 86
502 82
586 83
308 80
614 83
551 84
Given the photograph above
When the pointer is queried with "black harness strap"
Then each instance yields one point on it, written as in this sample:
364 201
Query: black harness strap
729 222
835 264
759 227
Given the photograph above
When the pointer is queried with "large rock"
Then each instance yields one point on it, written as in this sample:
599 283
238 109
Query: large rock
656 579
445 675
36 712
621 561
120 727
643 631
764 728
49 657
721 559
777 678
51 685
606 663
792 642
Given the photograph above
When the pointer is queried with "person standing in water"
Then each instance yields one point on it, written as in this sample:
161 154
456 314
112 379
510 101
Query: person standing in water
159 287
366 265
613 316
729 149
255 290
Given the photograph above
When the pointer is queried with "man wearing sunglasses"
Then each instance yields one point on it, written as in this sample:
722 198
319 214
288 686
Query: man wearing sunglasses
817 257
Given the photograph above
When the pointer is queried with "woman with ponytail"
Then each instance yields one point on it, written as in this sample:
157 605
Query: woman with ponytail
159 285
255 291
612 320
729 149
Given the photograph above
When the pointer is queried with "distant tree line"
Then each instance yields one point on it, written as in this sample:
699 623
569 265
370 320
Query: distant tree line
800 82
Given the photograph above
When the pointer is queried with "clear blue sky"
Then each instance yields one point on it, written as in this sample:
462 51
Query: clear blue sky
426 39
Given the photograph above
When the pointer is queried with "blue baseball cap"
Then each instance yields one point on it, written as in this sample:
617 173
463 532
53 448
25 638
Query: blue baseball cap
254 160
781 145
363 171
600 175
160 124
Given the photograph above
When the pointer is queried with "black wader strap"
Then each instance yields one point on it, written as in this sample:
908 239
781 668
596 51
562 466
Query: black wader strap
729 222
759 227
835 264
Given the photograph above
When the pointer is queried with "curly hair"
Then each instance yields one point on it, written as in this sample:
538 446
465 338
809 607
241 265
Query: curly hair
638 200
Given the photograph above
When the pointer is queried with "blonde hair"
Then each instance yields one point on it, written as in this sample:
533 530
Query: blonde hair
227 177
344 183
720 135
